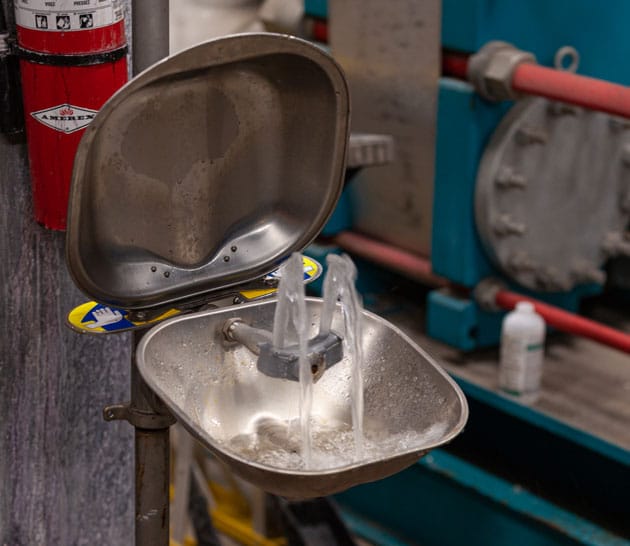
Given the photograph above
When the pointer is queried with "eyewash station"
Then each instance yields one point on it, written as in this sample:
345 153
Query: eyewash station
293 395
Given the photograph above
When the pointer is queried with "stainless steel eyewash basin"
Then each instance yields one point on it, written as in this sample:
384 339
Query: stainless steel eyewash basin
248 419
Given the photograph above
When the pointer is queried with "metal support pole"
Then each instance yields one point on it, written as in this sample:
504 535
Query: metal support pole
149 31
146 412
152 460
151 420
152 477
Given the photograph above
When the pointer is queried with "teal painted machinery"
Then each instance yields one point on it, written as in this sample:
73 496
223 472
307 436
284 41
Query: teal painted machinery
558 471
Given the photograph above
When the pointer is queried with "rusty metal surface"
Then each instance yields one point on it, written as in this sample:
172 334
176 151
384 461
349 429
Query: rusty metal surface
390 52
66 476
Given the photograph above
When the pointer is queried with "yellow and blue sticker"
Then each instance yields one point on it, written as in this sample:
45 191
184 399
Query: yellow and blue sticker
312 272
95 318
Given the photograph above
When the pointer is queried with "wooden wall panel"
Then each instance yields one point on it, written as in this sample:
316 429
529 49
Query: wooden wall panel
65 474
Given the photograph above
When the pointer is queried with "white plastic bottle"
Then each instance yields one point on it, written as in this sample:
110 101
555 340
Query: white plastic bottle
522 352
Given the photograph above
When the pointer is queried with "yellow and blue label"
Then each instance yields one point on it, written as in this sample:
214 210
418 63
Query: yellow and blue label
312 271
95 318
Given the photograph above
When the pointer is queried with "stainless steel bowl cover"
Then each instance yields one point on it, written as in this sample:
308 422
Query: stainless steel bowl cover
207 170
216 392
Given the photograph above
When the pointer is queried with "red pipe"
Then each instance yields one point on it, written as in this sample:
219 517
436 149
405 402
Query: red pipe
560 85
406 263
418 268
455 65
568 322
565 86
320 31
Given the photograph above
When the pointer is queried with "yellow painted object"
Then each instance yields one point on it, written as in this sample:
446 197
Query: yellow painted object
232 517
188 541
242 530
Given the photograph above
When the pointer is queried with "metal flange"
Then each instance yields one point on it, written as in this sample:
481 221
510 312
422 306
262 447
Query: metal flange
552 194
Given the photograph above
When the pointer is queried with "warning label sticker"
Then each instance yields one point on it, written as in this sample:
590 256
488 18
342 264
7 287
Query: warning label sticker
65 118
67 15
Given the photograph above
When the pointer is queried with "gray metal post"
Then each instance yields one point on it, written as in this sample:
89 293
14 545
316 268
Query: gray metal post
147 414
152 481
149 32
152 460
151 420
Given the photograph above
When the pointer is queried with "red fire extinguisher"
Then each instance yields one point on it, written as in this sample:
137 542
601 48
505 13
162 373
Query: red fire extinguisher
72 59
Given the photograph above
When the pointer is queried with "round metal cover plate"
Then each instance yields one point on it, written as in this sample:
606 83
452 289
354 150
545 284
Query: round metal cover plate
553 194
207 170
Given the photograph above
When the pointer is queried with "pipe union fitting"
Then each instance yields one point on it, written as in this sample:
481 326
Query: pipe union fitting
490 70
485 293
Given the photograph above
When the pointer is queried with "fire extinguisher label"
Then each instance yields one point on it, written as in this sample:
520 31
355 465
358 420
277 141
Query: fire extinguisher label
67 15
65 118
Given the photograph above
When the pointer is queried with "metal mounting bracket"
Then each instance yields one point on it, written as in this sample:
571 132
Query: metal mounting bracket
136 418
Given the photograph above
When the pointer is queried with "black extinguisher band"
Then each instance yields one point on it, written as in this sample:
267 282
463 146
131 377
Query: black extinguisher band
86 59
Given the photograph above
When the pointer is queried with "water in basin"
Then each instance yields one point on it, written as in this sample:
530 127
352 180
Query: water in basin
291 311
251 421
339 286
309 442
333 444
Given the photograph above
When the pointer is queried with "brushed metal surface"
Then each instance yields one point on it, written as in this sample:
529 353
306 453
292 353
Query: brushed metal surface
66 476
203 173
213 388
390 52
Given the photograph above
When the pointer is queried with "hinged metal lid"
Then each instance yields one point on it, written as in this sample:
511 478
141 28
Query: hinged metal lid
207 170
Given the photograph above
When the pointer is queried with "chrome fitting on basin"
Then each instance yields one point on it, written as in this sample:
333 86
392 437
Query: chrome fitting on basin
323 351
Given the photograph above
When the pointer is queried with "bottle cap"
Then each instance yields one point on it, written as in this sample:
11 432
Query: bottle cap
525 306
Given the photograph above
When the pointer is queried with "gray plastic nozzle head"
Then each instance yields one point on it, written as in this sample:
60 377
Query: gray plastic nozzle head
323 351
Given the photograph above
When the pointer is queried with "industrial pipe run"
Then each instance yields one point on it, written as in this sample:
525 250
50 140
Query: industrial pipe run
418 268
568 322
408 264
499 71
522 75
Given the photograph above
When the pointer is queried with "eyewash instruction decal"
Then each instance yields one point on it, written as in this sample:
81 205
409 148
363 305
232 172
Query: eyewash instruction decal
65 118
67 15
312 271
95 318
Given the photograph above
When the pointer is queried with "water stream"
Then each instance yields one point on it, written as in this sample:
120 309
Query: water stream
339 295
339 287
327 439
292 307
